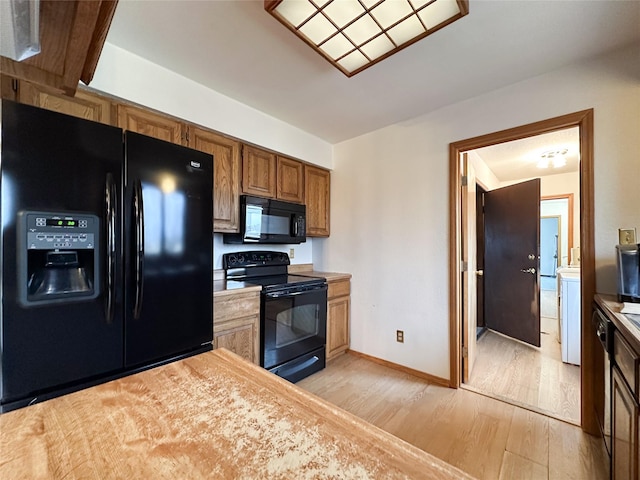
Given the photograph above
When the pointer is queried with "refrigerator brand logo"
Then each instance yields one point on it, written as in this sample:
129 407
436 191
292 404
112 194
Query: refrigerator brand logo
195 164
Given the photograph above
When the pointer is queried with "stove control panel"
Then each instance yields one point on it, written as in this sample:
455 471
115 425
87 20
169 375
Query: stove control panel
253 259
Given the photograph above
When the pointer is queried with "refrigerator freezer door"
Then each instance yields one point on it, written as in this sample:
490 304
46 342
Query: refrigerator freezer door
168 250
56 163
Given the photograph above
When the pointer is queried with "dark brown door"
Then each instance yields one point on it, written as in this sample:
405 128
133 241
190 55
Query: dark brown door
512 239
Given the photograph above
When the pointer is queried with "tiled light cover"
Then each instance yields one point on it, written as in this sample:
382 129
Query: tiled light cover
355 34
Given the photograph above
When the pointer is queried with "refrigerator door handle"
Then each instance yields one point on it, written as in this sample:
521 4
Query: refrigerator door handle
139 219
110 204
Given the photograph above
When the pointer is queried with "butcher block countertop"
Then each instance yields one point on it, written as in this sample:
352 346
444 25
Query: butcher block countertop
210 416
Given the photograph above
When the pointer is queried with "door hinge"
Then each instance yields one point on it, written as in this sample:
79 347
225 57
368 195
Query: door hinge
465 352
464 180
464 266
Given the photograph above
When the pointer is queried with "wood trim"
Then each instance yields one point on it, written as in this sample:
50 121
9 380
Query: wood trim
569 197
443 382
105 16
455 274
584 120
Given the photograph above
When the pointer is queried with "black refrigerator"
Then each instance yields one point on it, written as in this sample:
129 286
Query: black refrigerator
106 253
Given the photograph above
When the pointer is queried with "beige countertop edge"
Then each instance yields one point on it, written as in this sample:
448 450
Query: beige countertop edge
612 306
330 276
220 288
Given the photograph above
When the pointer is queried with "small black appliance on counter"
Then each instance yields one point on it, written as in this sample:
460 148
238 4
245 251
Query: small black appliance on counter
628 266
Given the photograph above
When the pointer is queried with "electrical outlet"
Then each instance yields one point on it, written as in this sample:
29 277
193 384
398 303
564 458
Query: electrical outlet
292 252
400 336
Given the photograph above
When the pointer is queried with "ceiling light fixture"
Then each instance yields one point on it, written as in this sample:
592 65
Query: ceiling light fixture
555 158
355 34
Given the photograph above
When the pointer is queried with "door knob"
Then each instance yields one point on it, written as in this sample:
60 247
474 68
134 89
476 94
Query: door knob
479 273
531 270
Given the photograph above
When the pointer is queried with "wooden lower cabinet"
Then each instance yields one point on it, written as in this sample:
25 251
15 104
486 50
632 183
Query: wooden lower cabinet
338 317
625 411
236 324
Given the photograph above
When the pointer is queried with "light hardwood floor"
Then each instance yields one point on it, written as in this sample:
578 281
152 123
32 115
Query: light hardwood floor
485 437
527 375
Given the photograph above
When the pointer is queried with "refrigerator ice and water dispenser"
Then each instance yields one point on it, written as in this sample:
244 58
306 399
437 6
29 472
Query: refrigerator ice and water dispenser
58 257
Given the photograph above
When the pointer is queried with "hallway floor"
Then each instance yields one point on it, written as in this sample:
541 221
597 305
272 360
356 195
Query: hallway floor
529 376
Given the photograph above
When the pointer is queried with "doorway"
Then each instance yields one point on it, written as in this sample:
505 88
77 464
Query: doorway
459 271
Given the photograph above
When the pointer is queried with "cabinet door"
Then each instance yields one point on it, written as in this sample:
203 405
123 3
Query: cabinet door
84 104
624 459
317 184
226 176
337 326
258 172
290 186
150 123
241 337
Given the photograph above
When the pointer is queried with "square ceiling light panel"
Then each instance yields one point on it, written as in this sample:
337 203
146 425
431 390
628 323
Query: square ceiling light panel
355 34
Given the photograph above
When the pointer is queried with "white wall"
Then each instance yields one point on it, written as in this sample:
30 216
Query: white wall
133 78
389 200
484 176
303 252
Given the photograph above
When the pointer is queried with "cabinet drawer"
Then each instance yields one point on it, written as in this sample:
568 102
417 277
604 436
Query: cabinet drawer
230 307
339 288
627 360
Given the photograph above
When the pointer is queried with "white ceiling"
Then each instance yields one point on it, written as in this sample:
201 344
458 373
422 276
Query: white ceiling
236 48
517 160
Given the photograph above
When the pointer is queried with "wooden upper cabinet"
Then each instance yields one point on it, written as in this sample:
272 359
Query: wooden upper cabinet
317 185
150 123
258 172
226 176
84 104
290 186
72 34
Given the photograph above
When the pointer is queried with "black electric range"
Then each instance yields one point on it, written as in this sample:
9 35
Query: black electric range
293 312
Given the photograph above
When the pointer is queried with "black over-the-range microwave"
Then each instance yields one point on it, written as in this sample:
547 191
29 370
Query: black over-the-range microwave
263 220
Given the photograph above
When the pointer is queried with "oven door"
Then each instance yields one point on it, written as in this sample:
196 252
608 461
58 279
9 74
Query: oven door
293 323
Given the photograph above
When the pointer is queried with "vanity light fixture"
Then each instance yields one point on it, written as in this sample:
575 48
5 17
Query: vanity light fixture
355 34
553 158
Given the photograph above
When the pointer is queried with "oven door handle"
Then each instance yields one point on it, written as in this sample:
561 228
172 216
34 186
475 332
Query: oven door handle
294 294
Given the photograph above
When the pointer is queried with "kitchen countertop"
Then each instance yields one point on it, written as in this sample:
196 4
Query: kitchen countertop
222 287
330 276
213 415
630 331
